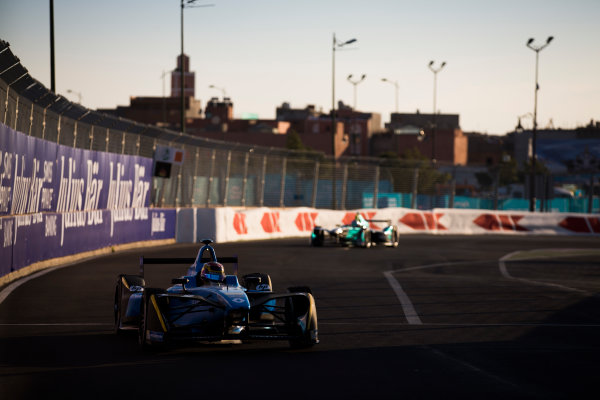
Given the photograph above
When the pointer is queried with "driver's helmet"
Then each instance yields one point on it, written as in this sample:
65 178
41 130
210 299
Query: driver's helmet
359 221
213 271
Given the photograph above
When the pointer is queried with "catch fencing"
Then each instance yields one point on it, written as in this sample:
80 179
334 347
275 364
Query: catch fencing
218 173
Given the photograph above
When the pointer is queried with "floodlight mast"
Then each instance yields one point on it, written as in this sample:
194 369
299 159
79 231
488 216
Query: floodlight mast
185 4
355 83
335 46
395 83
435 112
537 49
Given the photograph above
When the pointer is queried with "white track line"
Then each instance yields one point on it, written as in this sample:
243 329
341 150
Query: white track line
409 310
507 275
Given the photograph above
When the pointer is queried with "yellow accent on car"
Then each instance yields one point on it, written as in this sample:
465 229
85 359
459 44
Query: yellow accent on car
160 318
124 282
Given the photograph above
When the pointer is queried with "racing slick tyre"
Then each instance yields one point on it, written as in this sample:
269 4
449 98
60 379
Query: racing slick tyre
395 238
307 333
117 309
130 280
366 239
318 238
144 339
257 281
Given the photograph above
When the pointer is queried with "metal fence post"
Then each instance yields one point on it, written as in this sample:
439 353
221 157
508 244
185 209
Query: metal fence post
75 134
91 136
591 195
282 186
452 193
245 179
17 113
44 124
58 128
496 184
6 105
226 188
194 179
315 185
344 186
210 176
413 200
376 188
30 120
261 201
178 188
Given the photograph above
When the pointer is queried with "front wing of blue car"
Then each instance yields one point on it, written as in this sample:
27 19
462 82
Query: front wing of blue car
172 317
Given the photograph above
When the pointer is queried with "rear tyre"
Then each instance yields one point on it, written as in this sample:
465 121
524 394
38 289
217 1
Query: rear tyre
117 310
318 239
257 281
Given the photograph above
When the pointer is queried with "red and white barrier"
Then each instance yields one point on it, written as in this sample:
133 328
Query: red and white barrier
263 223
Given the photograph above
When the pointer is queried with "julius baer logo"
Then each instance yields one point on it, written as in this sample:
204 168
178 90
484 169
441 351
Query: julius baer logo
126 197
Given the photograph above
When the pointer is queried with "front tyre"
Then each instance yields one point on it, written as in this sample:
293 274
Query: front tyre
366 236
148 319
302 313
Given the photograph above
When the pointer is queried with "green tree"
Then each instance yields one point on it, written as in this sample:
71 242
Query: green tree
540 169
293 141
403 167
508 171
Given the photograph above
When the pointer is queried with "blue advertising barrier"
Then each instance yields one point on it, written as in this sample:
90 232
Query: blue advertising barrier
31 238
57 201
41 176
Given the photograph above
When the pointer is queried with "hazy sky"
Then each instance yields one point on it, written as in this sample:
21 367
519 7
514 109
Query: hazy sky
266 52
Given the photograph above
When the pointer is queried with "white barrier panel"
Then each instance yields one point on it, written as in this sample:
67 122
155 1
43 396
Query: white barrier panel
264 223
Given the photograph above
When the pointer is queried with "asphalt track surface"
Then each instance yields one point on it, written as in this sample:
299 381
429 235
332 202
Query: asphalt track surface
437 317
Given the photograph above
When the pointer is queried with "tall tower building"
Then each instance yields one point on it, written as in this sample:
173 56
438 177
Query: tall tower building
189 83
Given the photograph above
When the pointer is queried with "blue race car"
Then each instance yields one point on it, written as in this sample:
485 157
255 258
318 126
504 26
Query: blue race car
205 305
358 234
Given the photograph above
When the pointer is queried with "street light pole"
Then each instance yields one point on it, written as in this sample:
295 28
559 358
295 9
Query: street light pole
218 88
335 45
395 83
182 81
185 4
52 69
435 72
355 83
537 49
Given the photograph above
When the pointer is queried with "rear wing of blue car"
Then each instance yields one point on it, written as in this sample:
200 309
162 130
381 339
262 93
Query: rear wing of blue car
184 260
